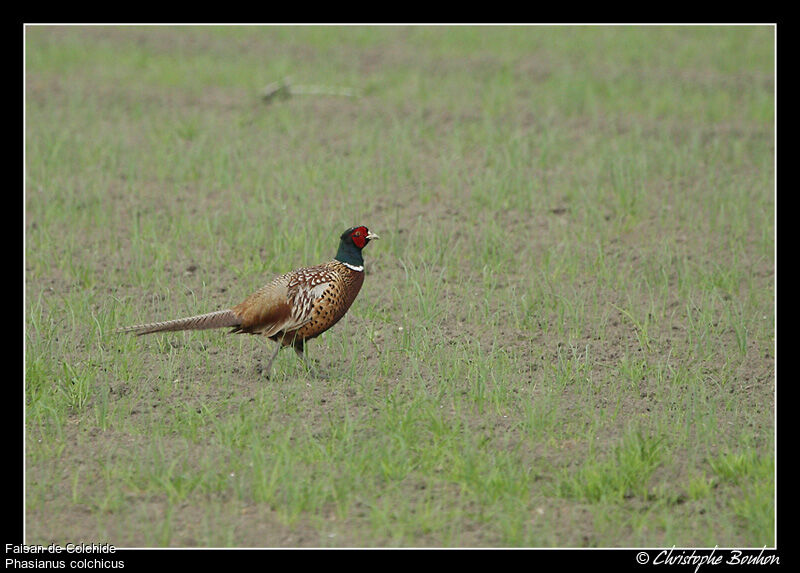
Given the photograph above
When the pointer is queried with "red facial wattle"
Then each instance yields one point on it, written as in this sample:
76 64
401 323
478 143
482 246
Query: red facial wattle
359 237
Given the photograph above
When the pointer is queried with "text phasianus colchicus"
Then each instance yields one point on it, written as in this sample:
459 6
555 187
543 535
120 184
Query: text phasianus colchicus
294 307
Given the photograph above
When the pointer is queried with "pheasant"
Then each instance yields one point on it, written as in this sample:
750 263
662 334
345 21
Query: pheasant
294 307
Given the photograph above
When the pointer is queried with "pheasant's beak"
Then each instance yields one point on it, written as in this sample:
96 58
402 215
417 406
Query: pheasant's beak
371 235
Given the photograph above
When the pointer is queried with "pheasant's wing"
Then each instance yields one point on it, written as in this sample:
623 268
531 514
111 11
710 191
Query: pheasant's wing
285 304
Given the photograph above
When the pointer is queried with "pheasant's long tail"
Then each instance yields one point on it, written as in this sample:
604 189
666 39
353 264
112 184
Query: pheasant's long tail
218 319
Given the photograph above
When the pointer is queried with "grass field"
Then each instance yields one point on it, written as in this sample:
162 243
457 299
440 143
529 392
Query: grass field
566 336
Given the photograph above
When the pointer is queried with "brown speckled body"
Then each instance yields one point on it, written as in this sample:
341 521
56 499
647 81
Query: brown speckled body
300 305
334 303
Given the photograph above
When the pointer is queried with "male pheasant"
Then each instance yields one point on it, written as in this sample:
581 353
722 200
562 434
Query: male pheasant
294 307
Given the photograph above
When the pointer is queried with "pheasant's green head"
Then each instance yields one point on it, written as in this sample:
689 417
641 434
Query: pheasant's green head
350 244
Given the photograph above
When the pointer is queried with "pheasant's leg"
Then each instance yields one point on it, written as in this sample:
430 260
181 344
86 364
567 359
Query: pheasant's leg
272 359
299 348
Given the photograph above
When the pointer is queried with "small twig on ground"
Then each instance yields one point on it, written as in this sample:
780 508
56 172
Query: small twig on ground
284 88
279 88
